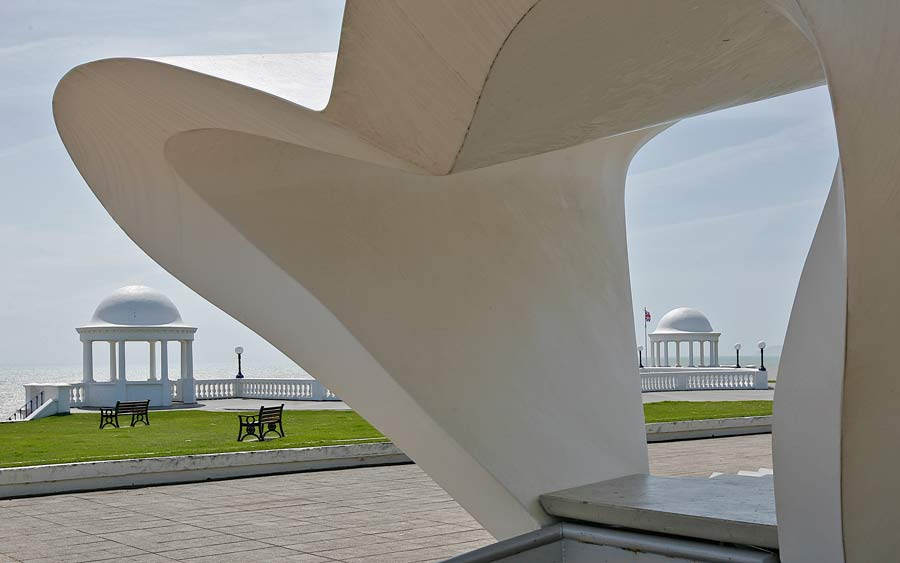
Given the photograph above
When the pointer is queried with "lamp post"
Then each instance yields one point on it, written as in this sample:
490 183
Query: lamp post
239 350
737 351
762 346
640 356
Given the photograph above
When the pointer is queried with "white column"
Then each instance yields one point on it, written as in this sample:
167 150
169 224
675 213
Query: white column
87 373
678 353
152 375
714 353
112 361
188 393
164 373
164 360
121 381
190 359
121 354
666 351
702 359
690 353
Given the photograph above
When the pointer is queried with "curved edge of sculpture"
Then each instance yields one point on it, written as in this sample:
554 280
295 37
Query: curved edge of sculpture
807 423
845 448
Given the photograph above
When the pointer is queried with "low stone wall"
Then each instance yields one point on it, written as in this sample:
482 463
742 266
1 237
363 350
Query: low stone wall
712 428
114 474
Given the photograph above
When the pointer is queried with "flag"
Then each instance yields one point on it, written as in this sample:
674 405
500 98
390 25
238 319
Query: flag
646 316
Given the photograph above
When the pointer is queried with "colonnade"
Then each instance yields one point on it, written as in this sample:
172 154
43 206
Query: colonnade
659 353
118 371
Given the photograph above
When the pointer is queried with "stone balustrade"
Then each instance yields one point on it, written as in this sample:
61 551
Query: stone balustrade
277 389
702 379
76 394
66 395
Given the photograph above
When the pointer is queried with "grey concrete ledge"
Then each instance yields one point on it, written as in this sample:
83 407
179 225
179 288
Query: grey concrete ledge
114 474
739 510
711 428
576 542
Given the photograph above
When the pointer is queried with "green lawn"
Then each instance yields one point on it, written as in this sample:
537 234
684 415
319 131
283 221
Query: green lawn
65 439
668 411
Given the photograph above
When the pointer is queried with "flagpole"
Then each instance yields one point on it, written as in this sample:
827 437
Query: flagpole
645 332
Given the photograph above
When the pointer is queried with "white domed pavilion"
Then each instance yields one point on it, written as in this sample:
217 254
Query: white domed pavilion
683 355
137 313
684 328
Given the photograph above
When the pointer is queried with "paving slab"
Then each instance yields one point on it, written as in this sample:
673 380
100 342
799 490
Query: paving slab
390 514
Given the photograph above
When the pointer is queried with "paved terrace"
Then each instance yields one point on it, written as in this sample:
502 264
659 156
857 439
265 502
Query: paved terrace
378 515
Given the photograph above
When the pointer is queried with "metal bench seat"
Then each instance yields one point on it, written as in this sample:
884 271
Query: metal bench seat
139 411
268 419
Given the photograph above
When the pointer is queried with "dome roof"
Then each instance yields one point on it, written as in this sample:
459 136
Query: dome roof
136 305
683 319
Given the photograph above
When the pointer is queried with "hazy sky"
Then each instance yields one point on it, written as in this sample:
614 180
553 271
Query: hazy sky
721 208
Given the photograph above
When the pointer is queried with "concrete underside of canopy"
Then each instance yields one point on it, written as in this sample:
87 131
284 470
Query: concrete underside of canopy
444 244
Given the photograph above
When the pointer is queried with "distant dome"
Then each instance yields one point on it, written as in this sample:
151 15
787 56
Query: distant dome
683 319
136 305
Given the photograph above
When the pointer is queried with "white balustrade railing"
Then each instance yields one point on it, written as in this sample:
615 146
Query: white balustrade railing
699 379
76 394
284 389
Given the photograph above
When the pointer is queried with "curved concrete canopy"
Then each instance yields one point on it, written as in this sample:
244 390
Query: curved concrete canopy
444 244
466 76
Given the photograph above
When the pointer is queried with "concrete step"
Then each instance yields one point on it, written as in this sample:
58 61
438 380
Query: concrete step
728 508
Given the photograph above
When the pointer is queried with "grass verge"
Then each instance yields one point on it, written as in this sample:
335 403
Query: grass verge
67 439
670 411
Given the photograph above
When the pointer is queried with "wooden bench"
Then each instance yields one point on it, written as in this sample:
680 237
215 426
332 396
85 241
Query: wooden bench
268 419
139 411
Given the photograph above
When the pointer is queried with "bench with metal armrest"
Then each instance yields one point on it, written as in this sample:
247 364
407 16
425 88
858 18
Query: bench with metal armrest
267 420
139 411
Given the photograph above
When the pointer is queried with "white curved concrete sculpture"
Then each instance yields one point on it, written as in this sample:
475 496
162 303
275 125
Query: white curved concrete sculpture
849 462
443 244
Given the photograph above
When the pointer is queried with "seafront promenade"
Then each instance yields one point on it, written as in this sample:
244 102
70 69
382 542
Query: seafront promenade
387 514
656 397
